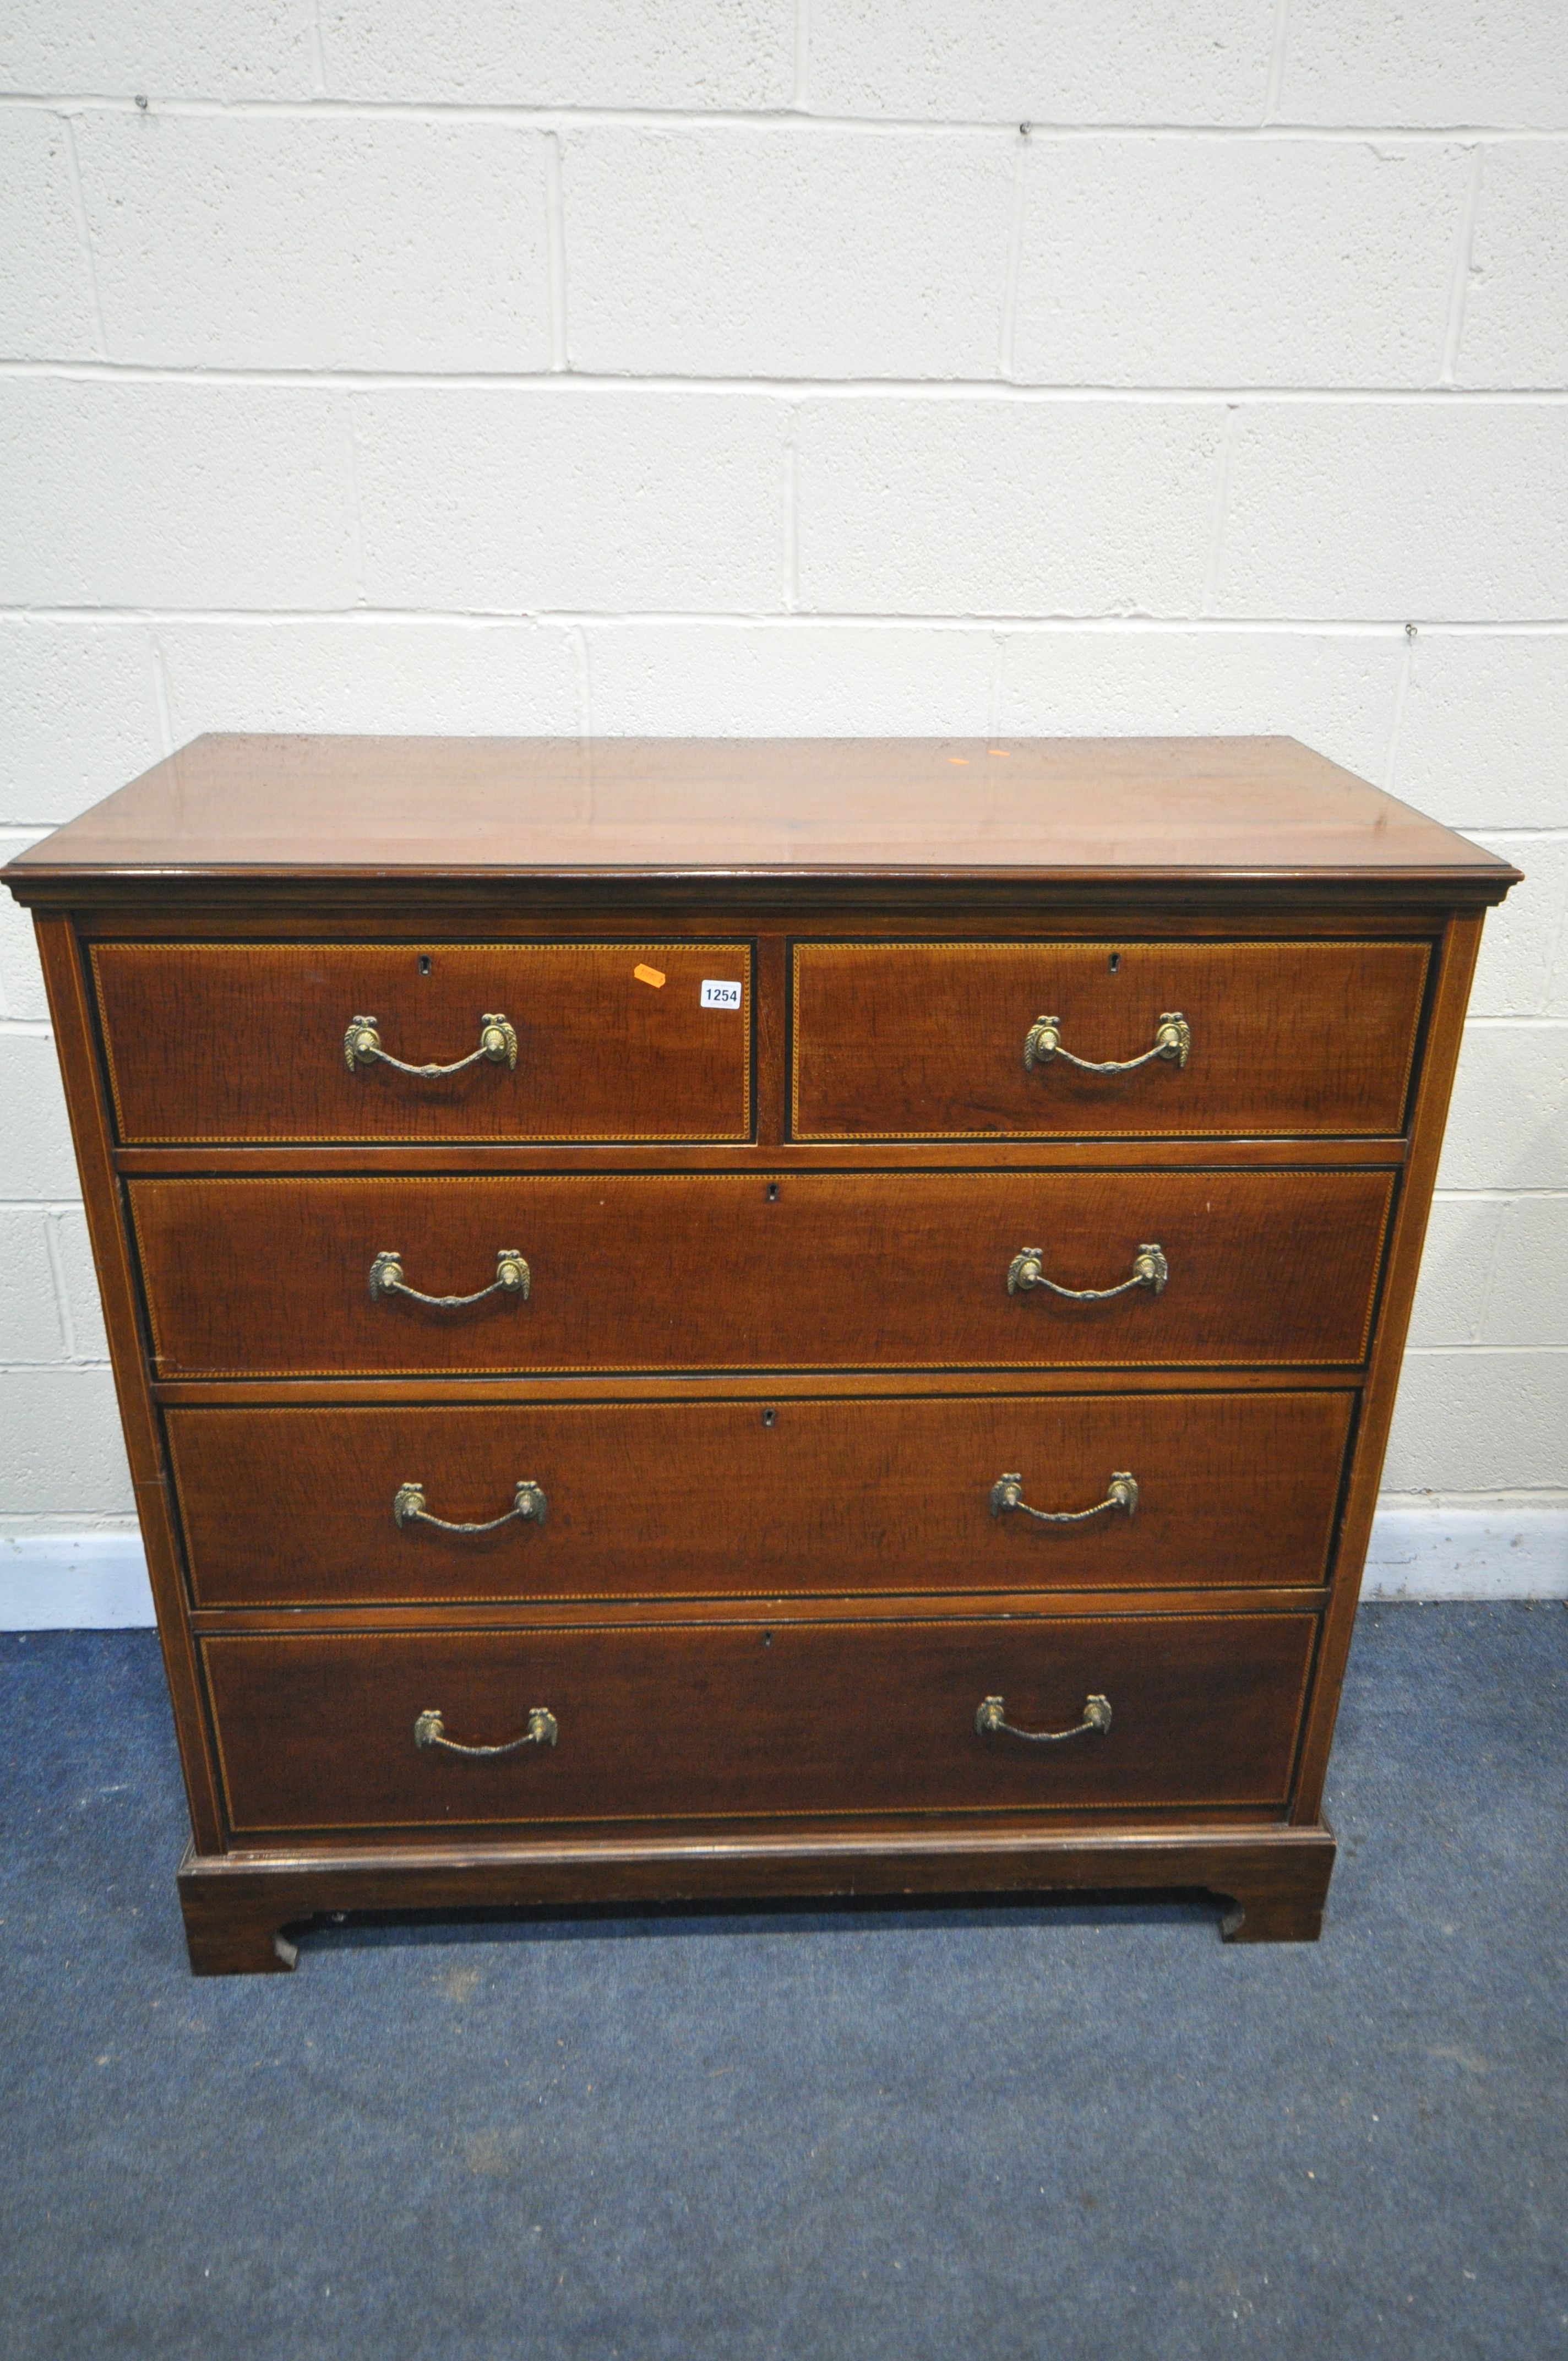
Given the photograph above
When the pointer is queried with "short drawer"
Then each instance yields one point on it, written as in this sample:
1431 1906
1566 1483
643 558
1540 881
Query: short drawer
742 1720
383 1276
421 1503
1131 1040
511 1041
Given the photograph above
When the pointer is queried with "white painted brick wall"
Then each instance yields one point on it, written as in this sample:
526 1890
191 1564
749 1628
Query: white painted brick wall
1446 512
1041 60
39 1159
128 493
1500 62
427 242
467 675
1508 1126
1516 304
32 1325
1480 1423
1323 262
1128 681
21 980
62 1446
808 366
1523 970
926 507
801 680
45 287
664 54
1483 736
79 708
222 50
783 252
523 497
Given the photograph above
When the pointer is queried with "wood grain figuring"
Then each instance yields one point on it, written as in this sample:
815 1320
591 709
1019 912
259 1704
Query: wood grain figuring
822 1606
926 1040
731 1385
730 1499
854 1270
233 1041
998 910
749 1721
776 1157
354 811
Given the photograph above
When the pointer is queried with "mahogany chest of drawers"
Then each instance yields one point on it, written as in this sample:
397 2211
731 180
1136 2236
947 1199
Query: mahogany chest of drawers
722 1318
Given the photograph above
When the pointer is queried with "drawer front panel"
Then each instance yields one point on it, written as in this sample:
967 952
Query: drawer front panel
742 1720
250 1042
706 1499
928 1040
842 1271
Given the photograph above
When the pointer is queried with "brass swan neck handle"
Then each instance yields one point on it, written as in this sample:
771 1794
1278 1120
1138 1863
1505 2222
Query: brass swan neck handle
1007 1496
430 1731
362 1046
989 1720
512 1277
1027 1269
528 1505
1172 1042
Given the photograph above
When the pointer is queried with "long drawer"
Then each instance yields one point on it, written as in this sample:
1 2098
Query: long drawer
834 1270
311 1041
999 1040
330 1507
743 1721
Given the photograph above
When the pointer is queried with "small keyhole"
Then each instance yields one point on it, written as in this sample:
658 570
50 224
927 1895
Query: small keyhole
1115 962
424 962
772 1192
768 1416
767 1639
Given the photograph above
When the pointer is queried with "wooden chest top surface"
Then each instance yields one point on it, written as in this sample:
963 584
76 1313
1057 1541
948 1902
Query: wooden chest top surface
1124 812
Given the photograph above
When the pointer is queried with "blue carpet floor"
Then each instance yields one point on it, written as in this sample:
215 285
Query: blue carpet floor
1016 2131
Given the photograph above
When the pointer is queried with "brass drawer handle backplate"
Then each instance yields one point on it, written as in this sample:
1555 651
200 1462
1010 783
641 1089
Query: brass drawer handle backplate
1172 1041
544 1730
988 1712
408 1509
1027 1269
512 1277
1007 1494
362 1046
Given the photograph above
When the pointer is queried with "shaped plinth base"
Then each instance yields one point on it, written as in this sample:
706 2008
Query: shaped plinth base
1271 1880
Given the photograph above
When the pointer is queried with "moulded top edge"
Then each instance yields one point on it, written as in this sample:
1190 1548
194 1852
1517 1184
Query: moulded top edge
706 815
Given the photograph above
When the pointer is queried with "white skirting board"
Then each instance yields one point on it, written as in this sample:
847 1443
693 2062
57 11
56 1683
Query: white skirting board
1480 1553
73 1582
97 1582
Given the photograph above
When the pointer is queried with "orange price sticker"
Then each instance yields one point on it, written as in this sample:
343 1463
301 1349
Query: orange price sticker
654 975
